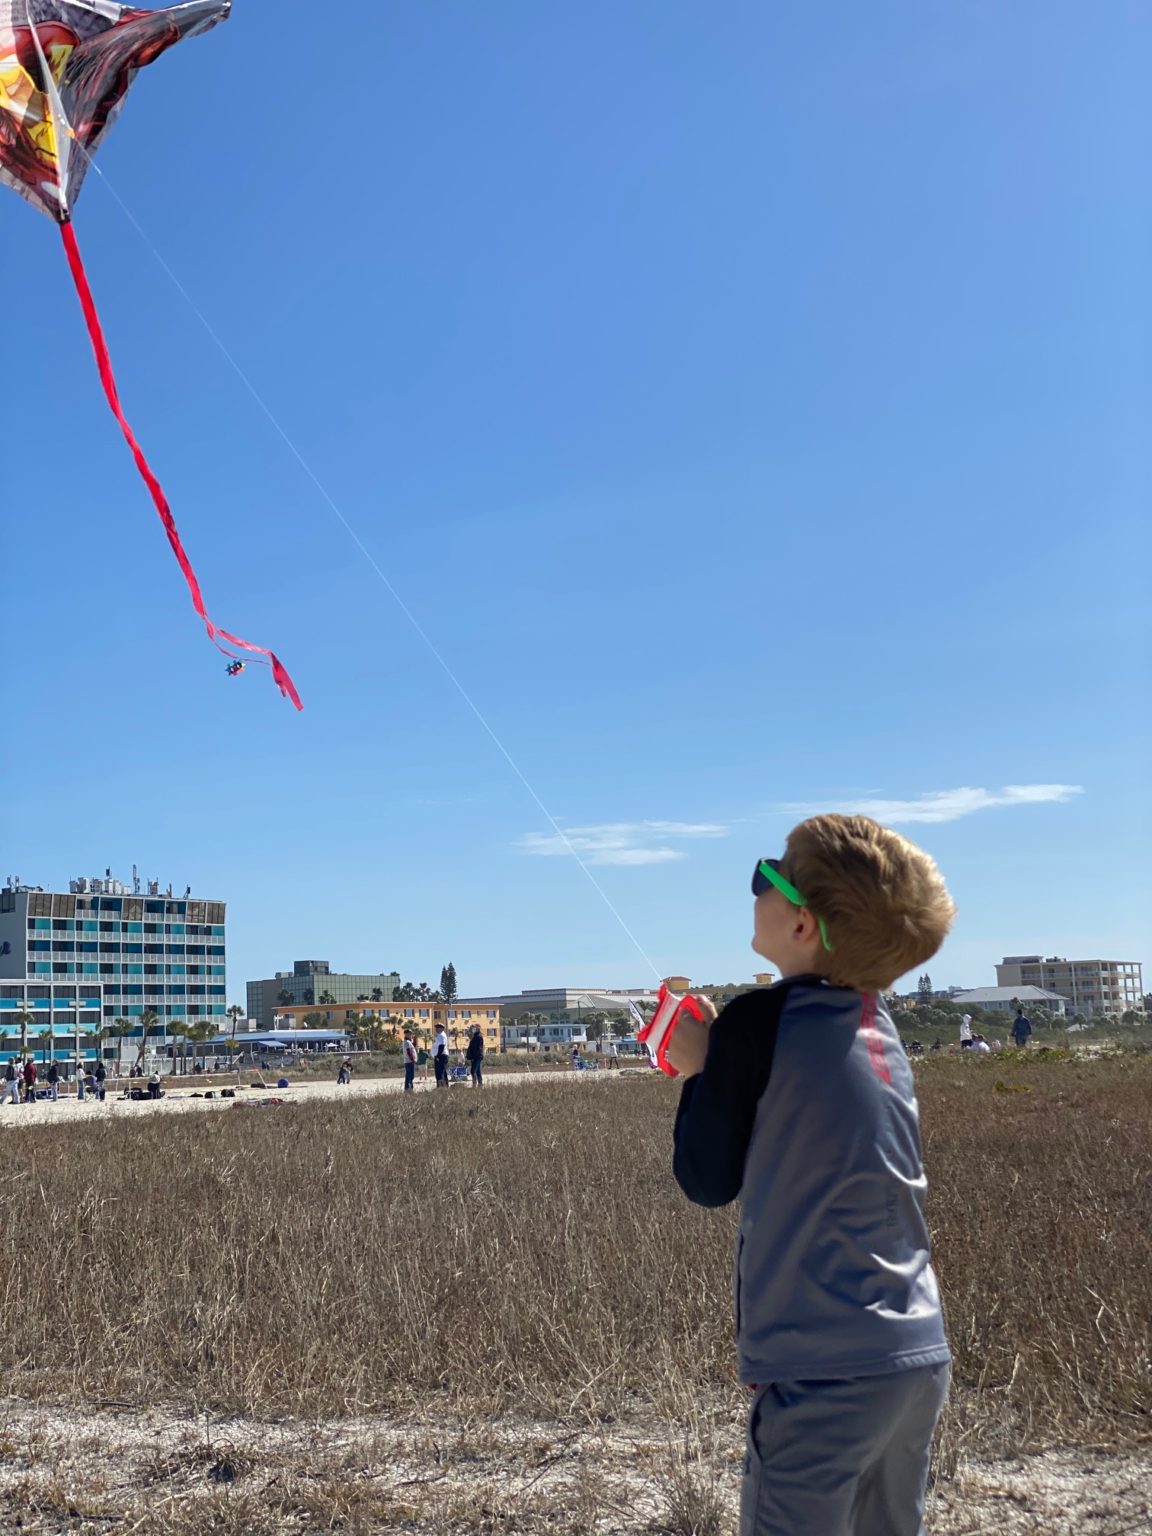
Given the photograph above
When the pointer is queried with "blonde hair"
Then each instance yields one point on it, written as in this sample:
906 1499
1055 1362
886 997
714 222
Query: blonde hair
883 900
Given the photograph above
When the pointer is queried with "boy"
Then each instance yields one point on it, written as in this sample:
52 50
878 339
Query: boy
410 1054
799 1100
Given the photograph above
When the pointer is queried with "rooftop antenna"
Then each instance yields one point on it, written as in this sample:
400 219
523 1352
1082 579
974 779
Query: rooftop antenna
135 881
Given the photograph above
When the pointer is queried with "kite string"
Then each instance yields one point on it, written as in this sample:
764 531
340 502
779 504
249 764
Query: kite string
393 592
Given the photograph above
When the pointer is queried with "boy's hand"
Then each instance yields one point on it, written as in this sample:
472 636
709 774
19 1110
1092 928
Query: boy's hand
689 1043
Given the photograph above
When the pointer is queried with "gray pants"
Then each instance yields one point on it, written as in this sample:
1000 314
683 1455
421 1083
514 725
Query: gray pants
841 1458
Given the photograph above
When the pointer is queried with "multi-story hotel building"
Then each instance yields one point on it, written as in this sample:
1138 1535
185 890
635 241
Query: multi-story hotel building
145 951
1088 986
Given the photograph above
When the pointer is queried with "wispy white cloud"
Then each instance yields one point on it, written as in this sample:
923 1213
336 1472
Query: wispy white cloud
948 804
621 842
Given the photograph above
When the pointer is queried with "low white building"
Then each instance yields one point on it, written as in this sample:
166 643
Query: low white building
1005 999
548 1037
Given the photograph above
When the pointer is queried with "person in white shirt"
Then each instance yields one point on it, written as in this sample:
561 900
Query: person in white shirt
966 1032
981 1046
611 1054
410 1054
440 1058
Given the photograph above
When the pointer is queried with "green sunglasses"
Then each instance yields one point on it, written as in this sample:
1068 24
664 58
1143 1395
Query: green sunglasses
766 874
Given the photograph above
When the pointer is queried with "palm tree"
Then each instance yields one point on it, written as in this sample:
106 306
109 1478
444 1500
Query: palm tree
46 1042
327 1000
284 997
94 1037
203 1031
22 1021
148 1022
97 1036
178 1029
377 995
235 1013
200 1033
121 1028
532 1024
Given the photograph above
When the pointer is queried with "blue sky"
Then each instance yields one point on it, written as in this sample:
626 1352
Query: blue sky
749 402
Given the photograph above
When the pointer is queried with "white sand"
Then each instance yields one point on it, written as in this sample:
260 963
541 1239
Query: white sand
179 1100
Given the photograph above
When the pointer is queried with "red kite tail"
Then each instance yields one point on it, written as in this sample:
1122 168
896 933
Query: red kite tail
160 501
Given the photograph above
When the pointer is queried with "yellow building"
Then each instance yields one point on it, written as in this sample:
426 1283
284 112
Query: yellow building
456 1019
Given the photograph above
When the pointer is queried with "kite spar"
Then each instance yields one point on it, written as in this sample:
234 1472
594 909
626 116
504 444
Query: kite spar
65 69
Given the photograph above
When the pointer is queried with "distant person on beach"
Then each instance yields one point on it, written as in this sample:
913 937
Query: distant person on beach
54 1079
11 1082
609 1052
410 1058
474 1056
30 1081
440 1058
980 1046
1021 1029
101 1076
966 1032
345 1073
422 1060
90 1080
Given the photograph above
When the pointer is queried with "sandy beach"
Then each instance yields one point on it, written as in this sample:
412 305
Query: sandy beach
180 1100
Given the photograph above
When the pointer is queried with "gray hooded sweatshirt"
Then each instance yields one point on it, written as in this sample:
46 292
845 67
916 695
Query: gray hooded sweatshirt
806 1110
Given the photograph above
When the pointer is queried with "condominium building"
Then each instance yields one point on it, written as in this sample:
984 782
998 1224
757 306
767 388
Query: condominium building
312 982
1089 986
145 950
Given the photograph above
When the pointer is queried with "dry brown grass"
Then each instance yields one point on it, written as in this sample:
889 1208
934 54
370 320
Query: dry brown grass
526 1251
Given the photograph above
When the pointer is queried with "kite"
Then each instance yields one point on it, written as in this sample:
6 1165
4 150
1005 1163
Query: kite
656 1033
65 69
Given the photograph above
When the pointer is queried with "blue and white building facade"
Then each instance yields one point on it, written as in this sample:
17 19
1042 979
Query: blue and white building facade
47 1019
127 951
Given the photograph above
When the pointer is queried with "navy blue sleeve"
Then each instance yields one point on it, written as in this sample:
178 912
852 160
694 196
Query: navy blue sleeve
718 1105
